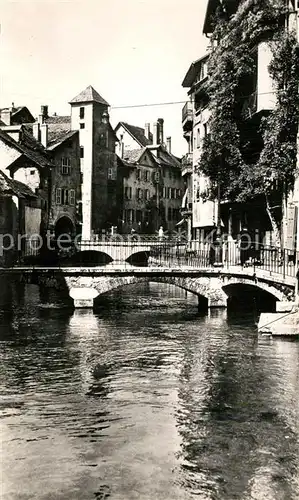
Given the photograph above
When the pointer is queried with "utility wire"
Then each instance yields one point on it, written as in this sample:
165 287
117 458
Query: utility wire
182 102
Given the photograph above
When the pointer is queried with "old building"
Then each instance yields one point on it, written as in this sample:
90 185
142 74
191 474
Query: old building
26 161
255 99
152 182
100 206
199 214
15 115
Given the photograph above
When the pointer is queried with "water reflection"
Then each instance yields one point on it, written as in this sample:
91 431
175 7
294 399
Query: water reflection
144 399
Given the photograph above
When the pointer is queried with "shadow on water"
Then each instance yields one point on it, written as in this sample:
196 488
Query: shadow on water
146 387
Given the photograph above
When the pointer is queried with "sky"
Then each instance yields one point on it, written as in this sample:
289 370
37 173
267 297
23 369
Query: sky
131 51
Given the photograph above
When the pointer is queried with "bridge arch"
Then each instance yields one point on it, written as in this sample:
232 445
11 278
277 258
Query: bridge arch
89 258
207 289
279 293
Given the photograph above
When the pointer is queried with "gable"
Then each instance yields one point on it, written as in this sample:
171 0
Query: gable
146 159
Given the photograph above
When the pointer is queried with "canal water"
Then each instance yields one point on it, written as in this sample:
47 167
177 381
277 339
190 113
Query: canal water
144 399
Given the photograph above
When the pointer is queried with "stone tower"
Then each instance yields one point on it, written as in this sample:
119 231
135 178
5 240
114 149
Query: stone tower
89 115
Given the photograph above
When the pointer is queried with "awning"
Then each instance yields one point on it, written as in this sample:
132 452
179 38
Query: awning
184 200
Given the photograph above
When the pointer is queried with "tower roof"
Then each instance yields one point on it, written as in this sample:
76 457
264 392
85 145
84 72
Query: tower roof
89 95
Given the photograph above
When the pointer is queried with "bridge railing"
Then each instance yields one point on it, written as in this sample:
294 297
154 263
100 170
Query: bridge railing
268 258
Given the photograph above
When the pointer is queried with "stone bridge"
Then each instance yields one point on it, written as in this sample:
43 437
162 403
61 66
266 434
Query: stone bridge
119 251
212 286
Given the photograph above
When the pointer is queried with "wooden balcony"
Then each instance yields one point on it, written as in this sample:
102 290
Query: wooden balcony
187 116
187 164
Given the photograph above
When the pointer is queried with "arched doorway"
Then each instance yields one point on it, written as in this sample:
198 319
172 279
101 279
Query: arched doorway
64 225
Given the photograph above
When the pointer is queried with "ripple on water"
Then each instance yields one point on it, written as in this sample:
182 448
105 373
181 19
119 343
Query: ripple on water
145 399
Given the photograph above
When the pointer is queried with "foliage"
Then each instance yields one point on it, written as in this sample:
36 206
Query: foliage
229 156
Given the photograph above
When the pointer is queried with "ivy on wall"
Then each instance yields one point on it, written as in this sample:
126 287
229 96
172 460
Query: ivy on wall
232 63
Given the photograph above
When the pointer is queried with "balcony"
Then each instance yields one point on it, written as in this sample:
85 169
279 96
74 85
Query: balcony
187 164
187 116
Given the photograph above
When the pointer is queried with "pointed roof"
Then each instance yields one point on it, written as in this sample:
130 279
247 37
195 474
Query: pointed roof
89 95
137 133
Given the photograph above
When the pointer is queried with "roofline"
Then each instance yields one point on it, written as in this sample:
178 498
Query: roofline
205 28
59 142
22 149
129 132
192 65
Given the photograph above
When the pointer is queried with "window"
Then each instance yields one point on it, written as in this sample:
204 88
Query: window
138 215
32 172
198 138
81 152
65 165
82 125
146 194
178 193
146 175
164 193
72 197
139 194
128 192
82 113
65 197
58 196
110 173
138 174
205 129
169 193
169 213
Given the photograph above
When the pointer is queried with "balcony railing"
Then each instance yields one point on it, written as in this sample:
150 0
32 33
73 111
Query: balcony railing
187 113
187 164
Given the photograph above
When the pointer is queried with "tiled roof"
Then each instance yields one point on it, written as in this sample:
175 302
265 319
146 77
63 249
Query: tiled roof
29 147
89 95
55 119
137 133
164 157
15 111
133 155
57 138
13 187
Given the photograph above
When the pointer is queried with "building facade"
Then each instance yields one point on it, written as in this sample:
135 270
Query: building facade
152 181
257 104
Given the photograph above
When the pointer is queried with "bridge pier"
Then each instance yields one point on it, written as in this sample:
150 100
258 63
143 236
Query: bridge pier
83 297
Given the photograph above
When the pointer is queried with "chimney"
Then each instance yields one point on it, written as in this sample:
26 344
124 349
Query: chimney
147 131
44 111
155 133
168 144
6 116
160 130
36 131
121 147
44 134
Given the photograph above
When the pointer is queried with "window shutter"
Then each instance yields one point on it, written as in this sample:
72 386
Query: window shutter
58 196
72 197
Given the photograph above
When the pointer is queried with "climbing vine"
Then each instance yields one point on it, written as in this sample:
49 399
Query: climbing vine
244 164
